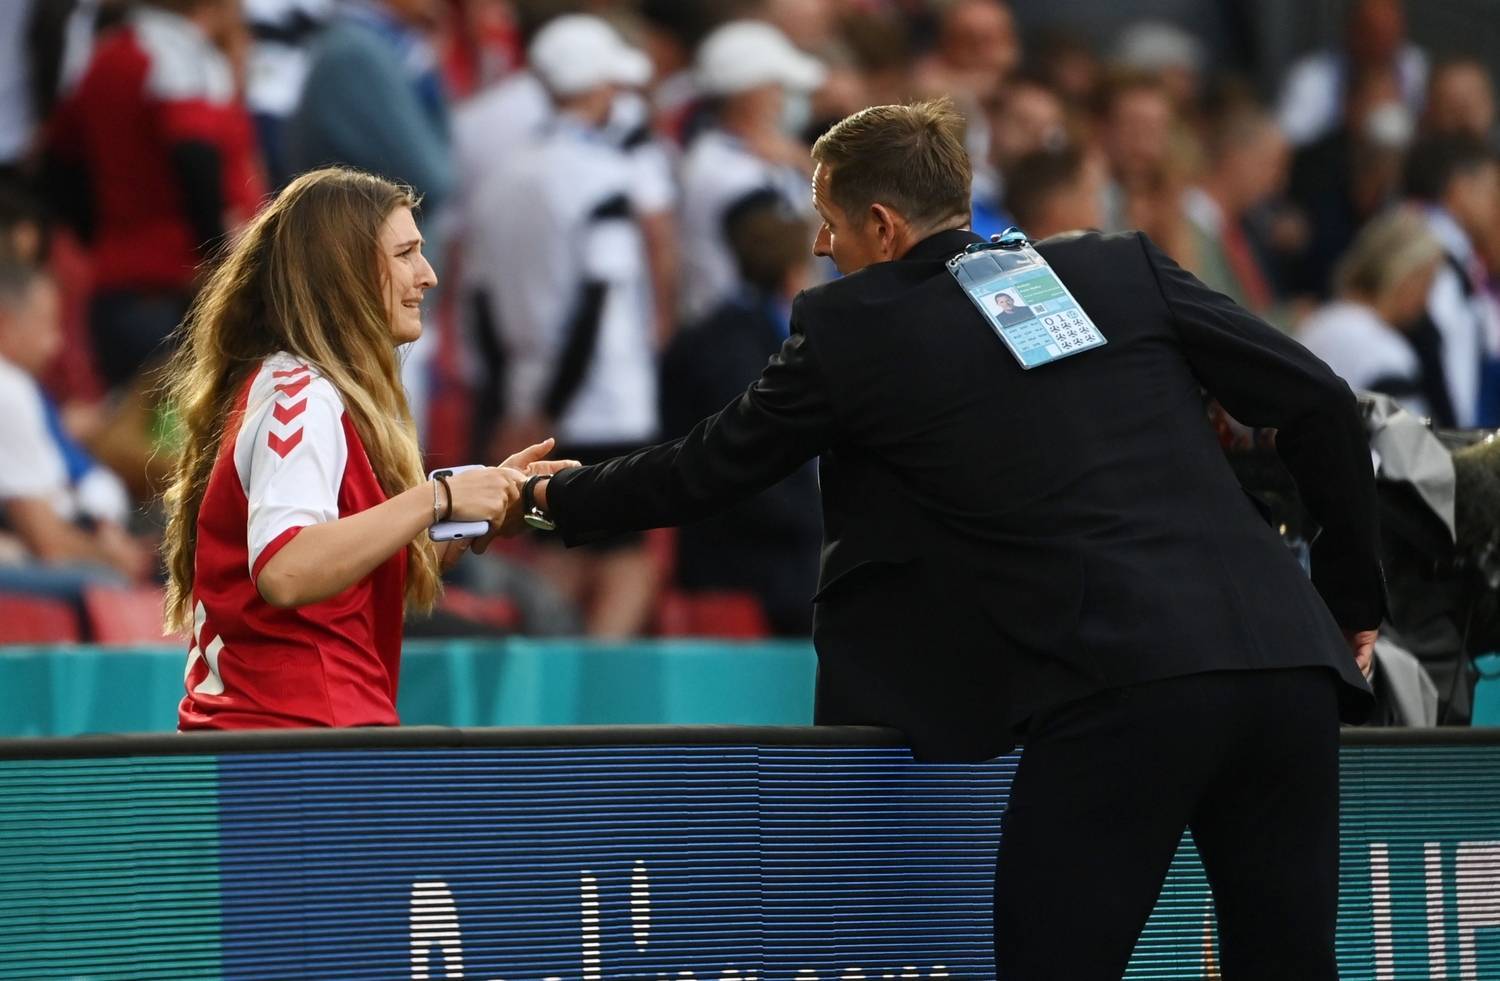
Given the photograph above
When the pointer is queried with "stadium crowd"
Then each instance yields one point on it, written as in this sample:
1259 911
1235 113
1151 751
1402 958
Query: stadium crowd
616 198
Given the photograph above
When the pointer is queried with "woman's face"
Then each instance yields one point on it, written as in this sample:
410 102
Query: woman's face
407 275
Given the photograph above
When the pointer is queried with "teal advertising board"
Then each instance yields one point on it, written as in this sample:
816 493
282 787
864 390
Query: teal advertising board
723 853
75 690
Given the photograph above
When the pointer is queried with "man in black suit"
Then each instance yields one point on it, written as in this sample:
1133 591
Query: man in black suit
1060 555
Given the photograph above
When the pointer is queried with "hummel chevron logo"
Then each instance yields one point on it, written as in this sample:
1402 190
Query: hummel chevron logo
291 389
286 413
291 372
281 447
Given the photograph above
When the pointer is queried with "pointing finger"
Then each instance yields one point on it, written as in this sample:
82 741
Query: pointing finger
530 455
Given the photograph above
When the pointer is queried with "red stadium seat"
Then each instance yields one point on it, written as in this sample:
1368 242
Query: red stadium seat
727 615
35 620
125 616
492 611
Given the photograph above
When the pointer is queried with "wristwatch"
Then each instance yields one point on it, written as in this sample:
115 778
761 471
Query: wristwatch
531 513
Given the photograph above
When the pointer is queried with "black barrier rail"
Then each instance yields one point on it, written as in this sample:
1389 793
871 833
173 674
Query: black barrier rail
445 737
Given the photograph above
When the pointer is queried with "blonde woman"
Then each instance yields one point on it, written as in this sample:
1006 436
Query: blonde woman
299 511
1382 284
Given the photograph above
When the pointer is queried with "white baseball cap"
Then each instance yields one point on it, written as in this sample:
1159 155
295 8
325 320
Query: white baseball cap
746 54
577 52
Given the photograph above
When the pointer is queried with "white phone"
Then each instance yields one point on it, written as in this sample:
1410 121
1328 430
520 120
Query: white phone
452 531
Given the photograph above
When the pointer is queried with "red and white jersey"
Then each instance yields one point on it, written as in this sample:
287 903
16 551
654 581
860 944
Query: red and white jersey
290 458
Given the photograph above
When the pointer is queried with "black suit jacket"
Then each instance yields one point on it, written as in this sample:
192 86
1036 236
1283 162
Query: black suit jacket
999 541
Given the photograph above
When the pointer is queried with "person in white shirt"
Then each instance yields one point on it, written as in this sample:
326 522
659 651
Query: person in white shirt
1314 93
488 130
750 73
1382 285
64 510
277 65
1456 180
563 263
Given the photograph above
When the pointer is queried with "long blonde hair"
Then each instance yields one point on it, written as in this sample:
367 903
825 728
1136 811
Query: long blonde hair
304 277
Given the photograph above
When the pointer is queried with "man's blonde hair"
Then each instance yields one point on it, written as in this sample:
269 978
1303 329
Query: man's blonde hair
910 158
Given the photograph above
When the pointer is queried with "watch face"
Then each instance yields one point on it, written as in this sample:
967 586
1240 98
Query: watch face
536 520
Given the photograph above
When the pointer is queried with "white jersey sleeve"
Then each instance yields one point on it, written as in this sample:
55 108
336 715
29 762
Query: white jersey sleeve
290 455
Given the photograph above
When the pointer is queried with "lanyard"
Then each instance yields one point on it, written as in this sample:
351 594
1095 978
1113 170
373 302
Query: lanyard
1023 300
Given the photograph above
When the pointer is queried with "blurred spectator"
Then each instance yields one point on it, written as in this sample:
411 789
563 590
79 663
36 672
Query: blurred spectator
811 25
1169 53
152 160
769 544
880 45
845 90
1461 99
1381 287
746 70
1456 180
23 227
1050 192
505 117
280 56
374 99
1027 118
564 266
1317 87
1348 176
1138 132
978 49
67 511
497 123
1067 63
16 105
60 40
671 32
1247 165
481 44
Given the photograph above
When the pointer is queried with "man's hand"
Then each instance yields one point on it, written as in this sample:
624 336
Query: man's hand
535 453
1362 646
549 468
450 552
531 462
523 464
527 432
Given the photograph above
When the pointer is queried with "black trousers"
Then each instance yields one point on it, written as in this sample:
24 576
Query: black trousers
1247 760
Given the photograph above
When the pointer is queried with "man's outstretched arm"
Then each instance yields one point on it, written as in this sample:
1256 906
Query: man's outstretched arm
782 420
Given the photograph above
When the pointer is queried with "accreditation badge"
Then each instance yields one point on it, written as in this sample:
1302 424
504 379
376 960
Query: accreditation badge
1024 301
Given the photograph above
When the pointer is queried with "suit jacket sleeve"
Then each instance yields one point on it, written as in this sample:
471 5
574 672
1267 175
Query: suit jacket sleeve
783 420
1264 378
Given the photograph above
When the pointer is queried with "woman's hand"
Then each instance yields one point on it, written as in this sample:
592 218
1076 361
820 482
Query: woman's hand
522 465
450 552
486 494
